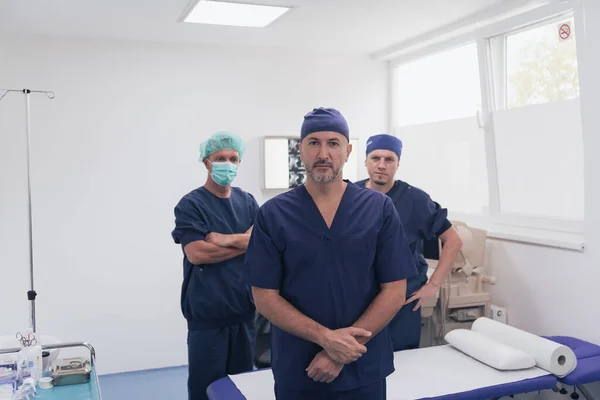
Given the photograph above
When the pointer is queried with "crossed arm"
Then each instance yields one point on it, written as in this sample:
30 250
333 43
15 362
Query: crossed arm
217 247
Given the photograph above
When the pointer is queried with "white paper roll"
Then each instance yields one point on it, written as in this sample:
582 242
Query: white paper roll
555 358
45 383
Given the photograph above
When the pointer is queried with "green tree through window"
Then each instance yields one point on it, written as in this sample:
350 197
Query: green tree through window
541 67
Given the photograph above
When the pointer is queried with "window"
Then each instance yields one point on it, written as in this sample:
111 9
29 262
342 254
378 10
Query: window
436 100
440 87
447 160
541 64
537 130
539 158
518 164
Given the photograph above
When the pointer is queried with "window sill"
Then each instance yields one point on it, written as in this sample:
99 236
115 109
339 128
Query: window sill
517 234
561 240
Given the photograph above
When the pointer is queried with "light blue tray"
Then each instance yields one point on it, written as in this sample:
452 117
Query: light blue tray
83 391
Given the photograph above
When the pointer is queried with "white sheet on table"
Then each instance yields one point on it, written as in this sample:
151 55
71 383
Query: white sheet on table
442 370
420 373
255 385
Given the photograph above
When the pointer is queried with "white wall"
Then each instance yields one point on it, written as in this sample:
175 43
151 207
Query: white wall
113 153
542 288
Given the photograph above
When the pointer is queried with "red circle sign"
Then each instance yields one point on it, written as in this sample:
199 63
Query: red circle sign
564 31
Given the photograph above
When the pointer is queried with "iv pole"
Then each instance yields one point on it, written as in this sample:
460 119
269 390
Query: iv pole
31 294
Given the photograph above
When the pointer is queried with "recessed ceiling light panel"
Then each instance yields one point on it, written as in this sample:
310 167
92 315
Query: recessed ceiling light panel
234 14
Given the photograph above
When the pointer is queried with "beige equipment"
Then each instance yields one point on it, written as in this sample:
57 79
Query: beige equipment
463 297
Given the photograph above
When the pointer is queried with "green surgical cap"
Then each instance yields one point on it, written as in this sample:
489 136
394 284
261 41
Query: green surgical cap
220 141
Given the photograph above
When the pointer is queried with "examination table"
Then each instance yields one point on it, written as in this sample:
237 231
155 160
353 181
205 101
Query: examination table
440 372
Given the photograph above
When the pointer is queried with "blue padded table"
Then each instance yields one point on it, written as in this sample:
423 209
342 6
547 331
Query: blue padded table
508 389
83 391
588 361
587 371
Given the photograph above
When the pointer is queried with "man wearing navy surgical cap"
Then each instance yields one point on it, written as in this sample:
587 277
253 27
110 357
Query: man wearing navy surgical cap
423 219
213 225
328 264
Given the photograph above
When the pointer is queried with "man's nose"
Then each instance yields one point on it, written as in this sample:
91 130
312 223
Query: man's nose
323 152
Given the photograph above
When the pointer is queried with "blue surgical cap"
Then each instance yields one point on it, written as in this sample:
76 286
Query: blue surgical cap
384 142
324 120
220 141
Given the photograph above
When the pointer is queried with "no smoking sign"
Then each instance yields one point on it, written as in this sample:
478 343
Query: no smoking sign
564 31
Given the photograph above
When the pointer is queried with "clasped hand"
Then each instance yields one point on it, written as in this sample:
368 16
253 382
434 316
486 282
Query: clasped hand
339 347
323 369
342 344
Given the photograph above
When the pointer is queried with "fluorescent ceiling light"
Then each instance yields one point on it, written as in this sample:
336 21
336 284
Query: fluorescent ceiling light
234 14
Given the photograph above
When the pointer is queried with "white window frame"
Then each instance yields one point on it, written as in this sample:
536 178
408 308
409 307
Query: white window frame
552 232
499 60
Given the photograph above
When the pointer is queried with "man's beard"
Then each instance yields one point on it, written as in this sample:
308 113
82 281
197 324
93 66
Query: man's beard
323 178
379 182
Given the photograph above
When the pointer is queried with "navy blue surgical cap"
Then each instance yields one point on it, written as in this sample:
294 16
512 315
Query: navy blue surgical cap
384 142
324 120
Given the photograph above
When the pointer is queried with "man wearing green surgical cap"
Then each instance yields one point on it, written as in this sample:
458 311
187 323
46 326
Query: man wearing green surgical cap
213 225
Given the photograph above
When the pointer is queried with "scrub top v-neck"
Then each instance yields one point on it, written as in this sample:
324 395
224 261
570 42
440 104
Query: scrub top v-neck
313 211
329 274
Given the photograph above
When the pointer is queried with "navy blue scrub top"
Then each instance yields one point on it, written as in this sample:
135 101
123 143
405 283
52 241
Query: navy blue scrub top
214 295
422 218
330 275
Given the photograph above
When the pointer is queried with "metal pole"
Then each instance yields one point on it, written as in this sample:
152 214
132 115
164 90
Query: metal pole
31 294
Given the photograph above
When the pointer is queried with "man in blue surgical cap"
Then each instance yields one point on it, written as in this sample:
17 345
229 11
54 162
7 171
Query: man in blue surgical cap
213 225
328 262
423 219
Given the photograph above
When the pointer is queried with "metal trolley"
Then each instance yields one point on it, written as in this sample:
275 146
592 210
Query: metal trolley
83 391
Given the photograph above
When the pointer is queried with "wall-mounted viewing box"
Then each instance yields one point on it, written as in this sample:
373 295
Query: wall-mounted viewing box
283 168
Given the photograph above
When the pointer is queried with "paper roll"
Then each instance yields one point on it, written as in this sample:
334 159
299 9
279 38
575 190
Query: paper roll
555 358
45 383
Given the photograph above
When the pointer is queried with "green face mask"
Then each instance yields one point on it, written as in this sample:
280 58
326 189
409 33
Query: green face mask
223 173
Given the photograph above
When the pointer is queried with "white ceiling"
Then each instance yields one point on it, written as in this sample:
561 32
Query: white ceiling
345 26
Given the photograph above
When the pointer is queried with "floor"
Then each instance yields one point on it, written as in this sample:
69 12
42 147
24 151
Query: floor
160 384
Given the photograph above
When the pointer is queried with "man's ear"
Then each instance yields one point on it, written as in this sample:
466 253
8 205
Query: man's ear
349 151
